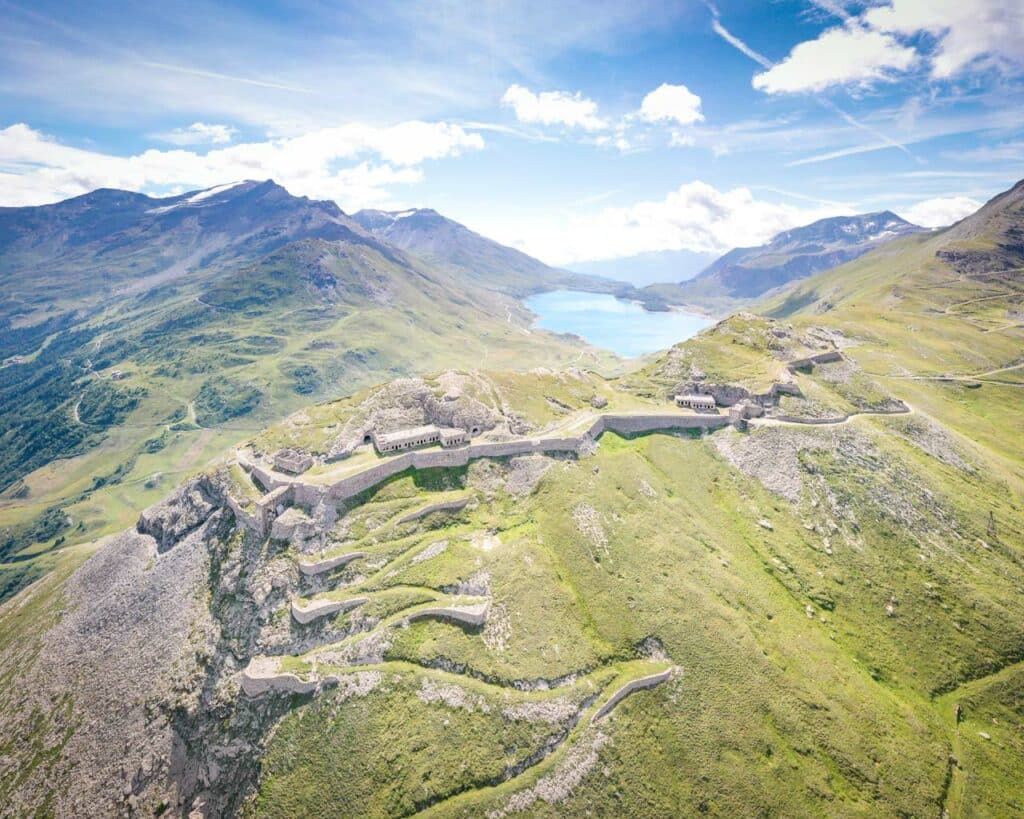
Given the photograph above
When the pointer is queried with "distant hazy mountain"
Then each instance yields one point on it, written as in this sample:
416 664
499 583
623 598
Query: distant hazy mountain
432 236
649 268
749 272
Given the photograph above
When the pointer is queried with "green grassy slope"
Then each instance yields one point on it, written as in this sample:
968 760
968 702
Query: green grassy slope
831 593
209 360
842 604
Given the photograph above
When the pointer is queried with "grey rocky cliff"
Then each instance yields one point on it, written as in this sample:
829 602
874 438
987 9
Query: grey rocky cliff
127 705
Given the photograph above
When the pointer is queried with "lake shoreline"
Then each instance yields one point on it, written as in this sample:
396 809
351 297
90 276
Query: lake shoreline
622 325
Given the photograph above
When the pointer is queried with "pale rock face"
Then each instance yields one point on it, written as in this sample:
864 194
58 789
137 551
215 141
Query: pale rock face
177 515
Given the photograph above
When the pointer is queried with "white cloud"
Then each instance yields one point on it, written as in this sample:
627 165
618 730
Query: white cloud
199 133
672 103
696 217
886 39
553 108
940 212
39 169
965 29
842 55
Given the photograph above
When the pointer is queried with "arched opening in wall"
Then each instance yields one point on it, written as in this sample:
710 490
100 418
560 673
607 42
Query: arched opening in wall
475 431
367 438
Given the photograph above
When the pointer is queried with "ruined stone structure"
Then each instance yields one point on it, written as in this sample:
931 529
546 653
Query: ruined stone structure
292 462
741 412
697 401
809 362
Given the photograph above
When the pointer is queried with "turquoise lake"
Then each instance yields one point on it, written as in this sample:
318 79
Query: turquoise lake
623 327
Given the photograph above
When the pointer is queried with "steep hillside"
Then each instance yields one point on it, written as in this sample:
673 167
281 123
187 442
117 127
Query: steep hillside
809 602
106 405
432 236
745 273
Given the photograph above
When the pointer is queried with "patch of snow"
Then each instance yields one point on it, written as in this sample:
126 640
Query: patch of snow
404 214
198 197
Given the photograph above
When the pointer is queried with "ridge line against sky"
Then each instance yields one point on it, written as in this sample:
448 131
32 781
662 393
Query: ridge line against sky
571 130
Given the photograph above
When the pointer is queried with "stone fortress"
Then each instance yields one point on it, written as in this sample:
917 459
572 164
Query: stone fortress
337 599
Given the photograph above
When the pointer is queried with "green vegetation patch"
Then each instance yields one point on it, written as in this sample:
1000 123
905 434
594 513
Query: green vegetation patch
222 398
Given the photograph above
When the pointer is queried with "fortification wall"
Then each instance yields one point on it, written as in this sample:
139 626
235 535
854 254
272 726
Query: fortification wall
254 684
331 563
633 685
321 608
810 361
244 517
634 424
443 506
838 419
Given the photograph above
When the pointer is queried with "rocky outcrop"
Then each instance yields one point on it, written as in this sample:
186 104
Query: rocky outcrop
128 653
181 512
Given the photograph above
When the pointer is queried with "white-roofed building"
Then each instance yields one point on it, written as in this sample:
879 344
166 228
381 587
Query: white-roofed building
697 401
419 436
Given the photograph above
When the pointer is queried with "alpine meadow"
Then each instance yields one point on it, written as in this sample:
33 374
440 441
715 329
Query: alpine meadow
304 513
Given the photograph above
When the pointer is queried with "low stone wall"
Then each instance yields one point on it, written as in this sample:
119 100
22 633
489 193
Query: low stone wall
256 681
810 361
321 608
838 419
473 616
629 688
444 506
321 566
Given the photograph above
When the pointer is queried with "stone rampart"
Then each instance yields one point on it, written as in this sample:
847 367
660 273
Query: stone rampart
353 485
321 608
810 361
256 681
243 516
633 685
321 566
443 506
635 424
838 419
473 616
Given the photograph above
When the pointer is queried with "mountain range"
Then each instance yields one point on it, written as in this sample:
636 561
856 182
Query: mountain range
436 238
807 603
140 335
747 273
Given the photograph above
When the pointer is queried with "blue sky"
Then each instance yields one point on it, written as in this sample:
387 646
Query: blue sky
573 130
